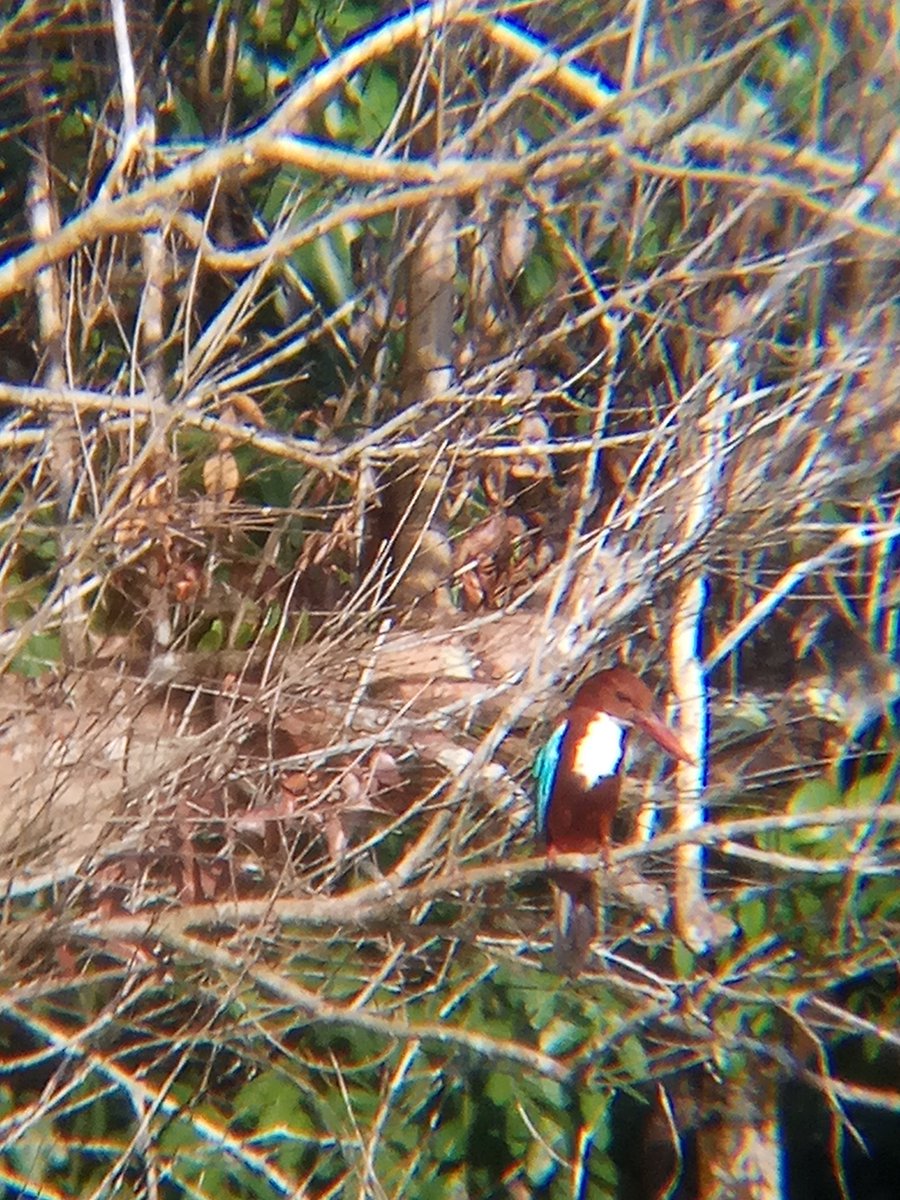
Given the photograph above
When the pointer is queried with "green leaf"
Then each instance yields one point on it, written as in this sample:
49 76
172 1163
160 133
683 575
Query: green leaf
730 1062
189 125
550 1094
538 277
500 1088
379 99
340 121
245 636
762 1024
813 796
561 1036
539 1164
595 1104
809 904
47 550
633 1058
752 917
214 638
879 899
684 960
42 651
869 791
271 619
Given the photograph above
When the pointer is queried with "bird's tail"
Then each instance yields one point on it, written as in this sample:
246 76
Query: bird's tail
576 903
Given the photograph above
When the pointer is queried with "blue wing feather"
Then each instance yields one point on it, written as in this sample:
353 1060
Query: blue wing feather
544 771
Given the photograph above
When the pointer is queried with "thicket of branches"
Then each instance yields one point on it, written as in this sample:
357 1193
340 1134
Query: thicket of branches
369 374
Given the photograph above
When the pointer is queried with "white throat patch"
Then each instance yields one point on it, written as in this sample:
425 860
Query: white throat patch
599 751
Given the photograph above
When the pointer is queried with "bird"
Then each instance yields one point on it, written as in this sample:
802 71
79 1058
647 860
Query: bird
578 781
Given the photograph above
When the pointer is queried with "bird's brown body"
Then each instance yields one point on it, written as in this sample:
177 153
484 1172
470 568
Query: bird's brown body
579 797
580 820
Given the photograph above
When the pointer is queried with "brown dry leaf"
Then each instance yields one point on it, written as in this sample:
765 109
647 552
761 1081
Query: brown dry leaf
533 464
221 477
475 560
150 493
149 511
186 582
488 560
319 547
247 409
518 238
240 409
384 770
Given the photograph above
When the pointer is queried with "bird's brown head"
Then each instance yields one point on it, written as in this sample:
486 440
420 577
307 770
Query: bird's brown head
622 695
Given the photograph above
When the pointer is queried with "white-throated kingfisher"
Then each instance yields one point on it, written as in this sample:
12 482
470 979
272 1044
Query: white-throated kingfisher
578 773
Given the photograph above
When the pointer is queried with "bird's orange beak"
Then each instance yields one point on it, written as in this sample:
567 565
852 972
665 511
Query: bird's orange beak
663 735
